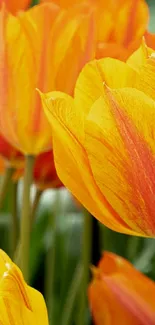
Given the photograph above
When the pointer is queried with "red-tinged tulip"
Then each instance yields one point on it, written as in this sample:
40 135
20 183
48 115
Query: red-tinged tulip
36 49
105 135
19 303
15 5
120 294
10 155
120 25
45 175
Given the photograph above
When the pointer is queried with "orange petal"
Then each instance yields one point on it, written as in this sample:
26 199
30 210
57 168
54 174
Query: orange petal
72 40
131 21
150 39
119 294
112 50
14 6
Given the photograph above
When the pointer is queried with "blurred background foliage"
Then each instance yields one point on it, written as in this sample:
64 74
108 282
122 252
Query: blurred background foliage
58 233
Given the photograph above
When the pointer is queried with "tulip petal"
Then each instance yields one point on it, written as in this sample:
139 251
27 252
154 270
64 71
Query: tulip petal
71 161
14 6
150 39
120 147
112 50
139 57
4 259
120 294
89 86
16 80
146 81
71 42
18 302
131 300
131 21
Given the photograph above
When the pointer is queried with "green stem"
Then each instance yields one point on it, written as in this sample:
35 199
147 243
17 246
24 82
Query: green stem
14 214
25 217
71 297
86 260
50 261
32 217
35 205
5 183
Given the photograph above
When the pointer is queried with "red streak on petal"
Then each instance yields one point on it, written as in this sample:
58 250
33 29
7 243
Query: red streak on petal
130 24
140 175
134 304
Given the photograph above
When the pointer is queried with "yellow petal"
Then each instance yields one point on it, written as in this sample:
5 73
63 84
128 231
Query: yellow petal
89 86
139 57
16 80
120 147
146 80
72 163
19 303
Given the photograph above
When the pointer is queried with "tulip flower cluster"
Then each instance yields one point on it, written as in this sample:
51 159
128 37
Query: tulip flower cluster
77 110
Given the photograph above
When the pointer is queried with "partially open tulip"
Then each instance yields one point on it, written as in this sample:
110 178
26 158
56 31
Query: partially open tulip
120 294
36 49
120 25
15 5
45 175
19 303
105 135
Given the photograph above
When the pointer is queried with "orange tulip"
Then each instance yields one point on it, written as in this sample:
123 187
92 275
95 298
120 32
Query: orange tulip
36 49
45 175
2 166
19 303
105 135
119 294
15 5
120 25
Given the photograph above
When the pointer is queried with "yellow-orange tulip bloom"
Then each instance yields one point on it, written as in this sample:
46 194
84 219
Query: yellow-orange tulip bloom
120 294
36 49
15 5
19 303
120 24
106 138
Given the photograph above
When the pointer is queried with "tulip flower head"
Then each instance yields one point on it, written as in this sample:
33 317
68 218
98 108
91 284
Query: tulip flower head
19 303
35 51
120 25
119 294
105 135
